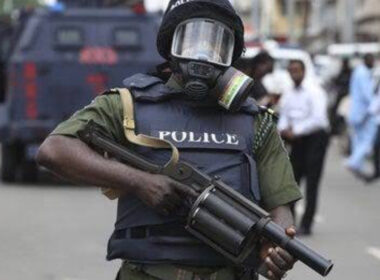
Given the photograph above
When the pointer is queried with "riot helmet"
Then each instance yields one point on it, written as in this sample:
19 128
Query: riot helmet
205 37
179 11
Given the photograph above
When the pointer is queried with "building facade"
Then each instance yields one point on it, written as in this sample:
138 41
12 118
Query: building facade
283 19
367 20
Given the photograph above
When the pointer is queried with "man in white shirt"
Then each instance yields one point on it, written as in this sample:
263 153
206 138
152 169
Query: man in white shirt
304 124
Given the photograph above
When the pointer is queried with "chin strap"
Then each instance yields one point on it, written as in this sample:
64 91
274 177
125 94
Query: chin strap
129 126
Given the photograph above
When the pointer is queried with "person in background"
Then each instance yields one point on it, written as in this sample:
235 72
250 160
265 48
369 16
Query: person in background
304 124
361 122
274 85
257 67
342 83
375 110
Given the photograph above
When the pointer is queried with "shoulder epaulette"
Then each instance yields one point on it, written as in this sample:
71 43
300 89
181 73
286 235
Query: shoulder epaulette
266 110
264 127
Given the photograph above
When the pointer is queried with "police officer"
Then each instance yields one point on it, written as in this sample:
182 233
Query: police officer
200 39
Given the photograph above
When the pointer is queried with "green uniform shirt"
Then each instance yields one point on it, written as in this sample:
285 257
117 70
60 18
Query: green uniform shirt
276 179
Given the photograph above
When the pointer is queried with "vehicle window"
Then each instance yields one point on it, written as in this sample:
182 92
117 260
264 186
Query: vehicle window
30 33
126 38
69 37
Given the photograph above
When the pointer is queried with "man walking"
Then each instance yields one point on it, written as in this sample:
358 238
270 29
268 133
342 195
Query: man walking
303 123
361 122
375 111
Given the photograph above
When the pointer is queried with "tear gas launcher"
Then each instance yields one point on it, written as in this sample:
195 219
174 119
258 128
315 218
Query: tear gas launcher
220 216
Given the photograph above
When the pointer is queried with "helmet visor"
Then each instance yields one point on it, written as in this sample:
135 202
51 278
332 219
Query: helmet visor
204 40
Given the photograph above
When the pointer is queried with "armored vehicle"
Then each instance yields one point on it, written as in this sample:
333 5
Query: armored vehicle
63 59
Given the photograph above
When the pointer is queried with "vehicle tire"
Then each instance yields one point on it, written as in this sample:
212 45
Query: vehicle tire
10 161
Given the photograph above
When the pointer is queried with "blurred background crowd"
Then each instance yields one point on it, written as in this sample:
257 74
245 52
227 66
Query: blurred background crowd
316 64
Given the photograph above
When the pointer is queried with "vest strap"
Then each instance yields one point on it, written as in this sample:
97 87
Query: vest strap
129 126
141 139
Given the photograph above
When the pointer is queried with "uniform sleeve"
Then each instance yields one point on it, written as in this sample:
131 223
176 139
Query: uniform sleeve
277 184
105 110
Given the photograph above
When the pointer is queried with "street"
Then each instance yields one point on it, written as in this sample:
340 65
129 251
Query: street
59 232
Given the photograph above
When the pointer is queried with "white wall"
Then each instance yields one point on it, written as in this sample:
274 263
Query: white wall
48 2
154 5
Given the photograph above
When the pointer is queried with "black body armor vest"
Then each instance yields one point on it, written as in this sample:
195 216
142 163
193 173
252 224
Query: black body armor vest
214 140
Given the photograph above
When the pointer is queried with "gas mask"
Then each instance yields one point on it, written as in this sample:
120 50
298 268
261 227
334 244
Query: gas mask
202 52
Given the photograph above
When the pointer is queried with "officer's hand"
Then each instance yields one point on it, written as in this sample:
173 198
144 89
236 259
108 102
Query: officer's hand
162 193
276 261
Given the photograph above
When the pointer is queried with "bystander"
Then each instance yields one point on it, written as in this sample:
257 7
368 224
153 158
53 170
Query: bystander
257 67
375 110
342 84
362 123
304 123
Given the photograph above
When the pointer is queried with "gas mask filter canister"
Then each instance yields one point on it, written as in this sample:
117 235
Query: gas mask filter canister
232 89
